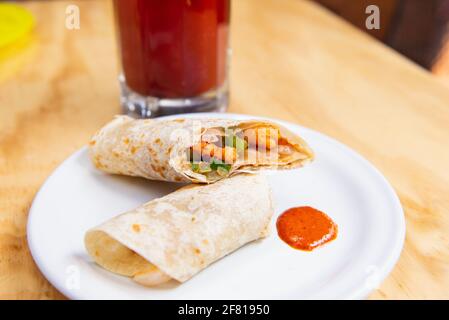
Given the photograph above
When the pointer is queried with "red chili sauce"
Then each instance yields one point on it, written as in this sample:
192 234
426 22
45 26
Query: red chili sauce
305 228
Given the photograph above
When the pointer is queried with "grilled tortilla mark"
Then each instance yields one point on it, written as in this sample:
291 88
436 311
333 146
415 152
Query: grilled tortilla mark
152 152
169 150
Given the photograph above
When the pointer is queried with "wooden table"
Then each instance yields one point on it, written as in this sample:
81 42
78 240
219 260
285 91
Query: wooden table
291 60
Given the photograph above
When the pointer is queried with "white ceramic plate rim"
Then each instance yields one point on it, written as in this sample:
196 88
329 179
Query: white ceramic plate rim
357 291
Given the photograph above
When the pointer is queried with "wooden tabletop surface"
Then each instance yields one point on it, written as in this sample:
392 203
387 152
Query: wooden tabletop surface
292 60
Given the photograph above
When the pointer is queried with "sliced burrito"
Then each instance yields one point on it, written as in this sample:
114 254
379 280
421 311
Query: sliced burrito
194 150
176 236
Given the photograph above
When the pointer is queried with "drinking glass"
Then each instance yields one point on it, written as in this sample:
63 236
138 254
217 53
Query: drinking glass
174 55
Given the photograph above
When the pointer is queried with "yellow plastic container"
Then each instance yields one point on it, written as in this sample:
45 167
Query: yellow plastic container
15 23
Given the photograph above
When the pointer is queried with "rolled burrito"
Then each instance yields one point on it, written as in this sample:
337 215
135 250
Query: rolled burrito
194 150
176 236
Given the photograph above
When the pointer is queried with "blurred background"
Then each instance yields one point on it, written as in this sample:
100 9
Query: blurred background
418 29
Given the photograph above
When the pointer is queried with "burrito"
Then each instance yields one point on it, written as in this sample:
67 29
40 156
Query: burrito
176 236
194 150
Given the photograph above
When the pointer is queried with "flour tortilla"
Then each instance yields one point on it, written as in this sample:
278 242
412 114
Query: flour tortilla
156 148
176 236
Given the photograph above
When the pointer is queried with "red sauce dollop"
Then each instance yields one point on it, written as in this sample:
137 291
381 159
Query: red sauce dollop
305 228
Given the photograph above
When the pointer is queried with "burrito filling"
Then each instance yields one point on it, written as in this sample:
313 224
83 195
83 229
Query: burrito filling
220 150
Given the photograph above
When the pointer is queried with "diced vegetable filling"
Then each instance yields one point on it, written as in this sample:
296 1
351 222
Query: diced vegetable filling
219 150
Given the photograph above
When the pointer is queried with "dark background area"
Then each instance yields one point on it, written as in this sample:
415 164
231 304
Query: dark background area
416 28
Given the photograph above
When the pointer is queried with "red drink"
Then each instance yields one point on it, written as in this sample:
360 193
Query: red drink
173 48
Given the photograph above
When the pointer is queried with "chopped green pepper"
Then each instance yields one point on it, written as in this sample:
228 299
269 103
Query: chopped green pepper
236 142
240 144
195 167
205 167
215 164
222 171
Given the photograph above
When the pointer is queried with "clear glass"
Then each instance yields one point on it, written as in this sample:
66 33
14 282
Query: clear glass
174 55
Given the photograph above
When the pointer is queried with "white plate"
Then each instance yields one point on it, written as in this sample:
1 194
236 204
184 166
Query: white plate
339 182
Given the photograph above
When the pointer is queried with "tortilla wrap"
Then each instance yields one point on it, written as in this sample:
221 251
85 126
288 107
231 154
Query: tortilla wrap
159 149
178 235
